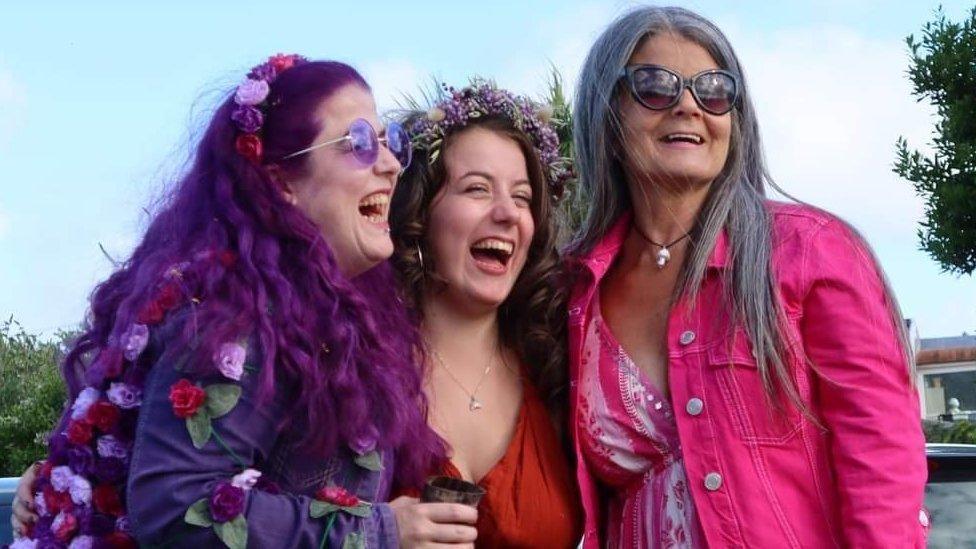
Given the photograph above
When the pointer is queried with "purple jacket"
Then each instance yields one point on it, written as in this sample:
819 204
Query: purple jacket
857 479
168 474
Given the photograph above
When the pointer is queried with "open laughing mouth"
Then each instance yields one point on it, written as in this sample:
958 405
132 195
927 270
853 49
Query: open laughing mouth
493 253
375 207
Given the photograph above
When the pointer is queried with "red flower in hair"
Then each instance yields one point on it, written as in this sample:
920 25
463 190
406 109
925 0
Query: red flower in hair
106 499
282 62
186 398
151 313
103 414
250 147
169 296
79 432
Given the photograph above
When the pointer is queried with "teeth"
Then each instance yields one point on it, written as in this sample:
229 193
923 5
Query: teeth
495 244
375 199
684 137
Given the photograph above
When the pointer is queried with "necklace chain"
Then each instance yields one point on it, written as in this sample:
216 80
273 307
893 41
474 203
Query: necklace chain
663 255
473 403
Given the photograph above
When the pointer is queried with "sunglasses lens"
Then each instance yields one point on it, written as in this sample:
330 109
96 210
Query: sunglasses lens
363 142
399 144
656 88
715 92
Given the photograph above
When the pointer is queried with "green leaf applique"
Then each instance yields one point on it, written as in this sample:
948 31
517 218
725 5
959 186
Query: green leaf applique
200 428
221 398
371 461
233 532
198 514
354 540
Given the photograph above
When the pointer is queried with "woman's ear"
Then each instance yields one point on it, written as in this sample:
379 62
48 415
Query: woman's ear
277 177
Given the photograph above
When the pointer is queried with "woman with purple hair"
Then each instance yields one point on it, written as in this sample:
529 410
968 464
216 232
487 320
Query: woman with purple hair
247 375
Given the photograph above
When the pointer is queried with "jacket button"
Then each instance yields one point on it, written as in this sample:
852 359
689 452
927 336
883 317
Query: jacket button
713 481
686 337
695 406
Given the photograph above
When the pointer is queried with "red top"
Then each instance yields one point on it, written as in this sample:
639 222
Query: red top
531 499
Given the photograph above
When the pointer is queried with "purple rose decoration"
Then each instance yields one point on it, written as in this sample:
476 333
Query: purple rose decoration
87 397
24 543
230 360
61 478
251 92
124 396
81 459
122 524
248 119
111 447
134 340
246 479
226 502
40 503
109 470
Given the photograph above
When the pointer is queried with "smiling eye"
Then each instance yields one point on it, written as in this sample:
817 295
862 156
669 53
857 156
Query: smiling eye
525 199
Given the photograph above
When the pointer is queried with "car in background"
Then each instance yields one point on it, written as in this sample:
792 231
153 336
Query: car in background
950 495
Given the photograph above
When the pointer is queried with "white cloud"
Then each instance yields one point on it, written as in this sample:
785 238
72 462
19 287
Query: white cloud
831 105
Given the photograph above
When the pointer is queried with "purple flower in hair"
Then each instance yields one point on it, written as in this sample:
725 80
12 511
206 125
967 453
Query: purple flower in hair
247 118
230 360
94 524
61 478
122 524
24 543
251 92
124 396
226 502
39 503
134 340
109 446
81 490
264 71
84 400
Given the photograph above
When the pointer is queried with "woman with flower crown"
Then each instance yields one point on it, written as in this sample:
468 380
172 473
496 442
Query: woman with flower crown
246 377
474 224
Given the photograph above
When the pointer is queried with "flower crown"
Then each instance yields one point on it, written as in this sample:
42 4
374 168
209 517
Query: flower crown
482 99
251 96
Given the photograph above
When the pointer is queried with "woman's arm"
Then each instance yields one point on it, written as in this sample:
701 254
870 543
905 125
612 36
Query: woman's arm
865 395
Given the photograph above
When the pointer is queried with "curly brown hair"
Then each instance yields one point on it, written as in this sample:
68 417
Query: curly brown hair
532 319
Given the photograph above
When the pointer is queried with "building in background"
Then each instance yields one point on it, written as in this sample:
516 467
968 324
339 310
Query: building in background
946 374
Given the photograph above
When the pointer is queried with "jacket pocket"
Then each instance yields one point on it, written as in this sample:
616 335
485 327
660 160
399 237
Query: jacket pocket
756 419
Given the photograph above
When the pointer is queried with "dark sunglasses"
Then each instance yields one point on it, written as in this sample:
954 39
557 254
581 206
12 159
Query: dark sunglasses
658 88
364 144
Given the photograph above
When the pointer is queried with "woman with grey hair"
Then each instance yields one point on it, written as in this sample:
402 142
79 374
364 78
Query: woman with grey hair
739 371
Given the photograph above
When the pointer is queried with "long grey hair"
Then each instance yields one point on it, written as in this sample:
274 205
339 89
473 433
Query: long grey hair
735 200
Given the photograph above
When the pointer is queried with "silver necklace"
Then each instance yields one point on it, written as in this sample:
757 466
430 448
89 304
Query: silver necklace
663 255
473 403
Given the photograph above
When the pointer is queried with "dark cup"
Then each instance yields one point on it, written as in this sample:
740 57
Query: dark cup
451 490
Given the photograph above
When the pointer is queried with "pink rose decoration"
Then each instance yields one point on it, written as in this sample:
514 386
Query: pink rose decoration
85 399
230 360
251 92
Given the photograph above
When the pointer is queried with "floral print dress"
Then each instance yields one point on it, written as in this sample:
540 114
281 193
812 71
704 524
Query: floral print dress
630 442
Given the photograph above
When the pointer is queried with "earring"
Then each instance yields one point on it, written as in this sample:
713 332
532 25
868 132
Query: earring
420 256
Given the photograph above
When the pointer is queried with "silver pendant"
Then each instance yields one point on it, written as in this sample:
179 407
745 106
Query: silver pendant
474 405
662 257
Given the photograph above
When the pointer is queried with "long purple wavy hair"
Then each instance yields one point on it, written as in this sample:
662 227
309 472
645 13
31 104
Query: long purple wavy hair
341 348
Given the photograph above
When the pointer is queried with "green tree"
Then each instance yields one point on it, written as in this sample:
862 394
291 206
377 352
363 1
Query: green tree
32 395
943 71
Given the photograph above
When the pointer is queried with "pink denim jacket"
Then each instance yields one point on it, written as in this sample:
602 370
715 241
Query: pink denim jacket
759 480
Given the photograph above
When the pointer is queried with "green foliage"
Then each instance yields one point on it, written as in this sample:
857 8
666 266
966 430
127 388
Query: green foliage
960 432
32 395
943 71
572 207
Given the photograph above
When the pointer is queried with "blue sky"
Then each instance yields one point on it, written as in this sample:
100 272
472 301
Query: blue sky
100 102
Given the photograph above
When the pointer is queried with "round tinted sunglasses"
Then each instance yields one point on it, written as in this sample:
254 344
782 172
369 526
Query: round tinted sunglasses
658 88
364 144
